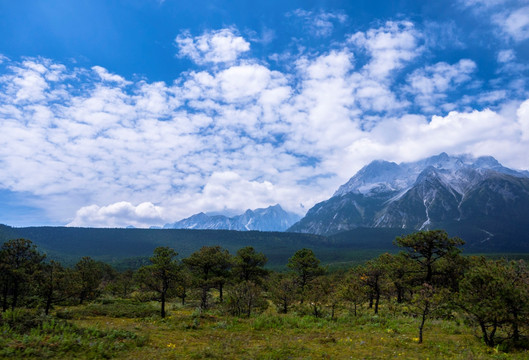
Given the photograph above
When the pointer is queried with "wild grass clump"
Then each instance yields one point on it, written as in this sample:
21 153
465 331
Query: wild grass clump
21 320
289 321
26 335
115 308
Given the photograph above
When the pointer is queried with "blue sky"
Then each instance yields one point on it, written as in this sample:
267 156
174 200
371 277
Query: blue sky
117 113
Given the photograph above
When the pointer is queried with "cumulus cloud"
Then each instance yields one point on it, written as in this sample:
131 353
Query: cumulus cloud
220 46
107 76
117 152
390 46
118 214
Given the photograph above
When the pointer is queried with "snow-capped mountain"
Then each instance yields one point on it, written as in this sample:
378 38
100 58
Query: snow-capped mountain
383 176
272 218
476 195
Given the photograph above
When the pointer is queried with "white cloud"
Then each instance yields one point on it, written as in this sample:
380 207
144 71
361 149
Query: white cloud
431 83
414 137
506 56
514 24
106 76
510 16
237 136
482 4
319 23
118 215
390 46
220 46
523 119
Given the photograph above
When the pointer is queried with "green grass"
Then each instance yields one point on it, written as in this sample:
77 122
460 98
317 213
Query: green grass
114 308
189 333
123 329
42 337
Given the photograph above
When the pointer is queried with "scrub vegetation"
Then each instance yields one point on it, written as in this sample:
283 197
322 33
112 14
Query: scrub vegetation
428 301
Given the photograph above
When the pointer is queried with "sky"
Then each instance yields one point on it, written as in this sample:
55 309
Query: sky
118 113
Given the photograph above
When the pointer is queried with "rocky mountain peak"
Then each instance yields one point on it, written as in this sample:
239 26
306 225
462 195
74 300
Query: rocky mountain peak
272 218
478 195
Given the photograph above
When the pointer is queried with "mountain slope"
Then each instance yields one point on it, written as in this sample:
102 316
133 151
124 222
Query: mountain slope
272 218
473 196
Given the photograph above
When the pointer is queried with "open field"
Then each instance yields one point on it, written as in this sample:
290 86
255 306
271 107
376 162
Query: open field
125 329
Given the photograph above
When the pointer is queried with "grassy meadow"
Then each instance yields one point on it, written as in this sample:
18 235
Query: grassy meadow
128 329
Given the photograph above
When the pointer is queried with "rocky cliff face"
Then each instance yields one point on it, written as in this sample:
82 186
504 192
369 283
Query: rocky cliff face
441 191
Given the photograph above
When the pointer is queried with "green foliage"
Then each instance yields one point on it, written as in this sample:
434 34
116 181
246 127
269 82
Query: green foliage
306 266
161 275
328 318
245 298
54 284
374 276
88 276
495 295
426 303
130 248
353 290
115 308
210 266
282 291
29 336
401 274
427 247
20 263
322 295
248 265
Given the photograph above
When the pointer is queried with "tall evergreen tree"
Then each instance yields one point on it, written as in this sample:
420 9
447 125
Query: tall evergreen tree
19 263
306 266
161 275
248 265
211 267
427 247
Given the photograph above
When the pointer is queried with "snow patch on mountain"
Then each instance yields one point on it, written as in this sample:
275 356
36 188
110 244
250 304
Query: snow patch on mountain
272 218
459 172
431 192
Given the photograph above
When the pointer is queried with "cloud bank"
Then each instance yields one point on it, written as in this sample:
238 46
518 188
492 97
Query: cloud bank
239 133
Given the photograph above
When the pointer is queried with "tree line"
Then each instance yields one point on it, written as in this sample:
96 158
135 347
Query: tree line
428 279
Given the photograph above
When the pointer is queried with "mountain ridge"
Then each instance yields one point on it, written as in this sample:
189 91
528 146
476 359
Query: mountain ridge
474 195
272 218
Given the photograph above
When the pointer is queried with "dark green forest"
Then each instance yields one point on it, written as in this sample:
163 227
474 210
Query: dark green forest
129 248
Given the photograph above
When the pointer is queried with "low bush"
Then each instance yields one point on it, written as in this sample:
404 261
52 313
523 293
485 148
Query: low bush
26 334
119 308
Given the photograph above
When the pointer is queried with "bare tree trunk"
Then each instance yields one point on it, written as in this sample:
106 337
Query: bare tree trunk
163 304
5 292
15 296
423 320
49 299
204 300
377 300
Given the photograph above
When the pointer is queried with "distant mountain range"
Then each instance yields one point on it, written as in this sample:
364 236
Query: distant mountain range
272 218
477 198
